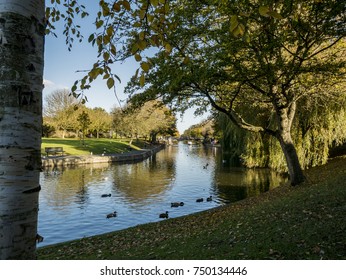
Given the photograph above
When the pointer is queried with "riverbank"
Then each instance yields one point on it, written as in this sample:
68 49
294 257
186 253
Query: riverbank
304 222
73 160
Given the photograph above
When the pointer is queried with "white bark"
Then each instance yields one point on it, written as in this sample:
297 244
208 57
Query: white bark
26 8
21 70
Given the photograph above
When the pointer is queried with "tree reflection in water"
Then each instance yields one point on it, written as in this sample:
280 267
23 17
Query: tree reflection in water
71 205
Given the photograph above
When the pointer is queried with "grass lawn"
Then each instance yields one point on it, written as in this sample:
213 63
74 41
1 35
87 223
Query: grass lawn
96 146
303 222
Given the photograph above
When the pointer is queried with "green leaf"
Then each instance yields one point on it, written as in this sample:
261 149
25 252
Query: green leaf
263 10
145 66
94 73
142 45
234 23
239 30
134 48
142 14
155 3
141 35
117 77
106 56
142 80
247 38
105 10
275 15
110 83
186 60
91 37
99 23
110 31
150 18
113 50
106 39
74 88
168 48
138 57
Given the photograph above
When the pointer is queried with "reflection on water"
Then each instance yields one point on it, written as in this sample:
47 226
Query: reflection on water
71 205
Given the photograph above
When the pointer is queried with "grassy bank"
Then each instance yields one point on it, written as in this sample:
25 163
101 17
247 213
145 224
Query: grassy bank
304 222
96 146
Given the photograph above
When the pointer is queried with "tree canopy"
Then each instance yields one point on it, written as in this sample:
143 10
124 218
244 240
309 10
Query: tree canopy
233 56
241 56
149 121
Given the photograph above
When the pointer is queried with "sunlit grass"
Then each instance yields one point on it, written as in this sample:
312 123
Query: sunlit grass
94 146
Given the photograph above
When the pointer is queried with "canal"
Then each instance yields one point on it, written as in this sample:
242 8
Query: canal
75 202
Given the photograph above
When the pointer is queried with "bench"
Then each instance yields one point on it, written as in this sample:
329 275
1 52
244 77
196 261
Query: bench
54 150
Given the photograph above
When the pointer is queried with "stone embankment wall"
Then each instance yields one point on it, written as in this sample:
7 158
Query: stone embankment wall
55 161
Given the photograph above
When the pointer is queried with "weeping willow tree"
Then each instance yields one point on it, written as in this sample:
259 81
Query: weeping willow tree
317 128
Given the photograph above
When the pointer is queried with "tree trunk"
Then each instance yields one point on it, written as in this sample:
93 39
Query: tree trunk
294 169
285 119
153 137
21 62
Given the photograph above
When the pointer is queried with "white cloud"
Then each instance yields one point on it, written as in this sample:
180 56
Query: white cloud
48 83
50 86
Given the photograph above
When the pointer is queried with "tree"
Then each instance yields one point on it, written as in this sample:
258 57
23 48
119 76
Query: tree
84 123
117 115
204 130
150 120
22 30
59 108
154 119
58 101
47 130
100 121
315 130
282 40
234 55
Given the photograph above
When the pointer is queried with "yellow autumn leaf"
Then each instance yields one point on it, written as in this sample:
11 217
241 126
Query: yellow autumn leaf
234 23
168 48
116 7
138 57
126 5
145 66
142 80
110 83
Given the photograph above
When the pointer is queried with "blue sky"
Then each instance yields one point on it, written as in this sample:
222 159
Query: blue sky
61 68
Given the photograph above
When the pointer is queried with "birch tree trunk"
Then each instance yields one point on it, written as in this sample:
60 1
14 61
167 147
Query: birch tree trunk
22 30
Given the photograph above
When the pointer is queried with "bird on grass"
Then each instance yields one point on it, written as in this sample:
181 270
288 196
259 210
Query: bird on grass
112 215
164 215
39 238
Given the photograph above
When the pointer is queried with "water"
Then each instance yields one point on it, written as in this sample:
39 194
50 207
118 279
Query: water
71 206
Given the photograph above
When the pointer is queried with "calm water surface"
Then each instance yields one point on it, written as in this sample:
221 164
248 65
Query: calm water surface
71 205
